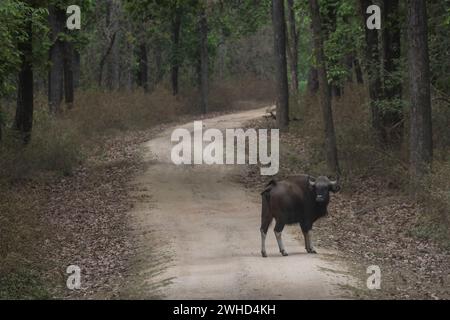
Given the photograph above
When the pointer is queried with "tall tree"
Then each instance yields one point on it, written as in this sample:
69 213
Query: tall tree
358 71
203 32
324 89
109 58
421 144
69 84
56 72
329 25
279 26
76 65
294 37
113 15
176 30
158 56
372 68
24 111
313 81
392 115
142 76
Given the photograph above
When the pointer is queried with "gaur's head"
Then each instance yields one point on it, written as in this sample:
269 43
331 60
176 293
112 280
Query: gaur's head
322 186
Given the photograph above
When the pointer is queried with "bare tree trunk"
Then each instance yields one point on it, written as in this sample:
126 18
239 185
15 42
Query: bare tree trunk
279 26
294 37
358 71
55 79
1 123
324 88
329 25
313 81
176 29
143 67
203 31
104 58
392 118
421 144
24 112
372 66
76 63
113 62
129 57
158 62
348 62
68 74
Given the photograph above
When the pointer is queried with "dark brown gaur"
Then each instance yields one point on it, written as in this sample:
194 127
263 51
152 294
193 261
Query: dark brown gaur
301 199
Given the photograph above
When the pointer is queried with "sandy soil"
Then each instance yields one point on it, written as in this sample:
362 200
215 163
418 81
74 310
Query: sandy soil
198 234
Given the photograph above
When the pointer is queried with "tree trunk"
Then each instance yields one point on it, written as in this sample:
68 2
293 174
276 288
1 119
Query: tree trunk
176 28
113 62
358 71
76 64
421 145
1 124
393 116
313 81
328 26
324 88
143 67
203 31
24 112
372 66
158 62
105 57
348 62
68 74
55 79
293 47
279 26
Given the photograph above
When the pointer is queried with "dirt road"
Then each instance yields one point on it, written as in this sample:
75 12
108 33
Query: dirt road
199 235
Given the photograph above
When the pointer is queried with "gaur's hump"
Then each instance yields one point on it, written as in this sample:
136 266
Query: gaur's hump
300 179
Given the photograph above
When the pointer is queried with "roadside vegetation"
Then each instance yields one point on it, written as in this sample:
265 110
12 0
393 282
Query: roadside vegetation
370 106
374 220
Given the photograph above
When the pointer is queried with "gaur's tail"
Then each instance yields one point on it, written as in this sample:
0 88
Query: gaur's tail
265 212
266 193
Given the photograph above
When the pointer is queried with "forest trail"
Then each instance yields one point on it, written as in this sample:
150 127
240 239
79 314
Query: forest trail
199 235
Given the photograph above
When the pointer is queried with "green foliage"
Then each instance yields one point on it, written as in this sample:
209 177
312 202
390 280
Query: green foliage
12 16
439 44
344 37
226 20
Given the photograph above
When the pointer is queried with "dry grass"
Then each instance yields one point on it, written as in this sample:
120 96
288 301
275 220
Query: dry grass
29 175
362 157
96 114
245 92
373 220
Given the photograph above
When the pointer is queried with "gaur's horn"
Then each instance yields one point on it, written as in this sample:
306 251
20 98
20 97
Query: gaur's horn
312 181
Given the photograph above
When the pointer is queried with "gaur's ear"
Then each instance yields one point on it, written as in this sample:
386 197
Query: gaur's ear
334 186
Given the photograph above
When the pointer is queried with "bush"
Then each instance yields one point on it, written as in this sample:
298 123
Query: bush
54 147
98 114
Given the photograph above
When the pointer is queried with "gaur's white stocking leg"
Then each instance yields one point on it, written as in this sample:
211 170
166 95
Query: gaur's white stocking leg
308 242
280 243
278 230
263 244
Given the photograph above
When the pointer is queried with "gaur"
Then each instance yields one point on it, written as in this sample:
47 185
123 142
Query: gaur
300 199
